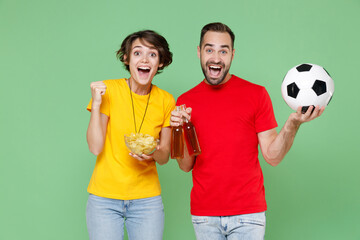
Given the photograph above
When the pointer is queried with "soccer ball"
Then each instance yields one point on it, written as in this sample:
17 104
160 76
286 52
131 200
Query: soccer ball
307 85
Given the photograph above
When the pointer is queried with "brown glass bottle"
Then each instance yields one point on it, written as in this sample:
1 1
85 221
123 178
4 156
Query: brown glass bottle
191 139
177 141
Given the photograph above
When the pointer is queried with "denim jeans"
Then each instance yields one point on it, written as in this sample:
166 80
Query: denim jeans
143 218
246 226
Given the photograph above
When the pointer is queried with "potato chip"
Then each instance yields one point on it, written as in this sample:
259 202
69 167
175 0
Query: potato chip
140 143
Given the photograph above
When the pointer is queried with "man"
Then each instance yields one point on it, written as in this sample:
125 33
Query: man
232 117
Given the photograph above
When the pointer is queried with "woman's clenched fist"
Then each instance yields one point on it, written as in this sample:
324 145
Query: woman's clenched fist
97 90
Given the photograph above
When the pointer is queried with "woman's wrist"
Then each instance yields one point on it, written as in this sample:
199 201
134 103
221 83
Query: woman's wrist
95 106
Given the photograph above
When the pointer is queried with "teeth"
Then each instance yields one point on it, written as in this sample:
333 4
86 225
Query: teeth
144 68
215 67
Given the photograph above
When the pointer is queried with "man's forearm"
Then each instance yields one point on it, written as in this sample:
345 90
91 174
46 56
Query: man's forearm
282 143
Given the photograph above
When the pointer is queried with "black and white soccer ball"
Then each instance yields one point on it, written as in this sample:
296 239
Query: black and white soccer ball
307 85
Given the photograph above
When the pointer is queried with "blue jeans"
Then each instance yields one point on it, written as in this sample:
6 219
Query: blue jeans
143 218
246 226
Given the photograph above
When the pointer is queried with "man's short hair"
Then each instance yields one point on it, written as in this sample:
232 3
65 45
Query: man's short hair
151 37
217 27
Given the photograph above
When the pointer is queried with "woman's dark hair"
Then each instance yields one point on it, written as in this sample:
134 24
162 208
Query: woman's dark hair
156 40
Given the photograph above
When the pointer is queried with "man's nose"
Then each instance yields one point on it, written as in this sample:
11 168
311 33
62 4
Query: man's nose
217 57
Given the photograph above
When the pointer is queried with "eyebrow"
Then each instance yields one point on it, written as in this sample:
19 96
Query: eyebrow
142 47
212 45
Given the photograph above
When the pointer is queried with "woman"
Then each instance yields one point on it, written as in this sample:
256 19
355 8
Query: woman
124 187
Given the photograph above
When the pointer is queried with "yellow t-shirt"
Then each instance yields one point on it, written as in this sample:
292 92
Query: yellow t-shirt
118 175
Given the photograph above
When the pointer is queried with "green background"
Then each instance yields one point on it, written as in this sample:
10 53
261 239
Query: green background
51 50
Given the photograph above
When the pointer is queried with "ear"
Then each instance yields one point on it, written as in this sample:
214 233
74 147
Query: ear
233 54
126 59
198 51
160 65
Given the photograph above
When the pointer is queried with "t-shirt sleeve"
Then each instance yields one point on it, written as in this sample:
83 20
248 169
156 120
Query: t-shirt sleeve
265 117
170 106
105 102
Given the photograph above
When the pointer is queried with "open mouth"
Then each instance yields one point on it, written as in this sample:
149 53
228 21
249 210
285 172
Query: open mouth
214 70
143 71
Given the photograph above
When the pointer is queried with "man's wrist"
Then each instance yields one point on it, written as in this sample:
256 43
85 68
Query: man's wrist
293 125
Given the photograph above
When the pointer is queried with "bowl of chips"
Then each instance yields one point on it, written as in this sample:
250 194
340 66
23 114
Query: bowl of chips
139 143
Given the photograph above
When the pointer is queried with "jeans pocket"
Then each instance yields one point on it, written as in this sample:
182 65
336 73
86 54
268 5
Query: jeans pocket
253 219
251 222
199 219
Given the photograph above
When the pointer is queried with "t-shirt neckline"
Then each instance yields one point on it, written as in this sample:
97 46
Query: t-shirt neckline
218 87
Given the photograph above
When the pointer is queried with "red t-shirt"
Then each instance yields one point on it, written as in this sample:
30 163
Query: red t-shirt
227 177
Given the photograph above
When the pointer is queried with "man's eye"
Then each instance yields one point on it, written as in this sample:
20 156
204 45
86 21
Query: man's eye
208 50
223 52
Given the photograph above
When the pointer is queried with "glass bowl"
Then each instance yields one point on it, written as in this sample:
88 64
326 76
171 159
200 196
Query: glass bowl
139 143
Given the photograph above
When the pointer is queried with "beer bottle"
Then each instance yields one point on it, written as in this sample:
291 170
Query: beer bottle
177 140
191 139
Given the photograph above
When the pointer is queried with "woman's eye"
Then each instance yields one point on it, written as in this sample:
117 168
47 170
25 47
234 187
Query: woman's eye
152 54
136 53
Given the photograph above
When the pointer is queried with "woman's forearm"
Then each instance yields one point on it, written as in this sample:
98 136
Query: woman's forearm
96 131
